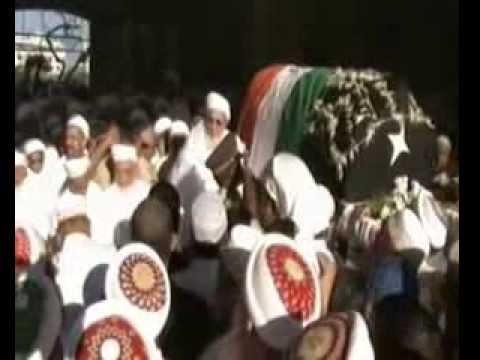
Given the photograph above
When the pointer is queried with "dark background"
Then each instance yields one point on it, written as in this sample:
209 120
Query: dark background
221 43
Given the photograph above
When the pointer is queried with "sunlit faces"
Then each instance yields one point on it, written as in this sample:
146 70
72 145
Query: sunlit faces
125 172
146 143
215 124
74 142
35 161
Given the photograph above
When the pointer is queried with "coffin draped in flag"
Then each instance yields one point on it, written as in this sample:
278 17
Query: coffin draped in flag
356 130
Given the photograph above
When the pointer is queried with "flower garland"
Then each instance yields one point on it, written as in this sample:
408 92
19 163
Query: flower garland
356 105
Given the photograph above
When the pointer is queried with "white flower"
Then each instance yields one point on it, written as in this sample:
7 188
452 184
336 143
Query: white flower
385 212
401 184
399 202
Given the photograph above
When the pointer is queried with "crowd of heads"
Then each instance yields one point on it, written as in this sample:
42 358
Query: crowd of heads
211 261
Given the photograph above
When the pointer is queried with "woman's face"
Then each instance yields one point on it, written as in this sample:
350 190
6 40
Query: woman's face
35 161
215 124
75 143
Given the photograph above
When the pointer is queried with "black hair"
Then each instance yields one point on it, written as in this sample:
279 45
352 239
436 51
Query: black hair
161 107
136 121
74 107
402 326
140 101
109 108
283 226
152 224
166 193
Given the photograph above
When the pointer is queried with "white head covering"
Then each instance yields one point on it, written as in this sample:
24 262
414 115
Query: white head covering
20 159
115 325
138 278
76 168
33 145
217 102
432 219
293 189
162 124
49 324
277 270
179 128
336 335
71 205
209 218
124 153
80 122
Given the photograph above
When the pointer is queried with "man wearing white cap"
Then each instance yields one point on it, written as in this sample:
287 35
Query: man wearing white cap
189 176
75 140
30 205
35 151
78 183
77 134
210 132
45 169
78 255
124 195
209 223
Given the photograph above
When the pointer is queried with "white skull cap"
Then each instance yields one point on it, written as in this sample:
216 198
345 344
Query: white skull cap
109 346
124 153
162 125
80 122
76 168
275 265
138 278
218 102
33 145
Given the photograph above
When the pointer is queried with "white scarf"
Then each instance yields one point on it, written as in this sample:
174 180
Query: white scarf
200 144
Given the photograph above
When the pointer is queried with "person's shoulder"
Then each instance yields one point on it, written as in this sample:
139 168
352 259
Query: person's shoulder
186 301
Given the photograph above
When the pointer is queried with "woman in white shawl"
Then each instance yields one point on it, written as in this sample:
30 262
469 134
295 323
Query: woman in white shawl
122 197
29 200
295 195
206 135
187 174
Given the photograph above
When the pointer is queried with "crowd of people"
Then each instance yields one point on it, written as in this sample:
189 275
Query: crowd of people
143 235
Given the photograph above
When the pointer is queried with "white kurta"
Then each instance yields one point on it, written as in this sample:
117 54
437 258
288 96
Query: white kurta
190 177
117 206
200 144
78 257
32 206
94 199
